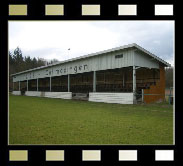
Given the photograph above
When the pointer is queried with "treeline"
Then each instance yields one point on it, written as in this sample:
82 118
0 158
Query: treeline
18 62
169 77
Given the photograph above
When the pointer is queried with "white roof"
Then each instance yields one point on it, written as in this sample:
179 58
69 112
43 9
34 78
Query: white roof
134 45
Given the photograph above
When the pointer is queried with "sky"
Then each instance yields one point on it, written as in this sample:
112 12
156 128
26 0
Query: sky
63 40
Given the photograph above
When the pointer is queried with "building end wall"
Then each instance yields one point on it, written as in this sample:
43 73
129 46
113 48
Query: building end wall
156 92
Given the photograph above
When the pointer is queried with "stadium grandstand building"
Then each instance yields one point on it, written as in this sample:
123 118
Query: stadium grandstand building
125 75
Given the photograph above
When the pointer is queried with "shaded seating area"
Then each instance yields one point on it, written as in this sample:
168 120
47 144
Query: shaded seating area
59 84
81 83
112 80
44 84
32 86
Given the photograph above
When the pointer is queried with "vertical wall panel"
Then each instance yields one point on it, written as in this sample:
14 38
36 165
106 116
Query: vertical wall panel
145 61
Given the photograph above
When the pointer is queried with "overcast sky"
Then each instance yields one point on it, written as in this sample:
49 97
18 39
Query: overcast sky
52 39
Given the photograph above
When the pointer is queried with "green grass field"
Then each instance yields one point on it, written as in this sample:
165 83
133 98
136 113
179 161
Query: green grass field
34 120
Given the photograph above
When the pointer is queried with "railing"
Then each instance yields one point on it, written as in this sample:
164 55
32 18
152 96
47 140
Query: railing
168 97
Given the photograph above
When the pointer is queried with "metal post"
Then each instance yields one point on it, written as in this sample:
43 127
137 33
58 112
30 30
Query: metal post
13 86
123 80
94 81
19 85
50 83
134 84
142 95
68 83
37 84
27 85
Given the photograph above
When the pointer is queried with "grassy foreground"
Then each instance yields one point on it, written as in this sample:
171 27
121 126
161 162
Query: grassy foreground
34 120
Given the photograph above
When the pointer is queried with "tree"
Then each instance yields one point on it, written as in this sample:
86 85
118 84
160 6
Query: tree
18 59
52 61
18 63
28 63
34 62
41 62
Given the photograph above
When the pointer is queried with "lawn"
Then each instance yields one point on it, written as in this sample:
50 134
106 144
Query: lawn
37 120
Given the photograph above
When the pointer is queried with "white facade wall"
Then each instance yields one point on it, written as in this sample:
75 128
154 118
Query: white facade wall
61 95
16 92
120 98
32 93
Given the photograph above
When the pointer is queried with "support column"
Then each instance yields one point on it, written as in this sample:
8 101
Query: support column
19 85
37 84
27 85
123 80
94 81
134 84
50 83
13 86
68 83
142 95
